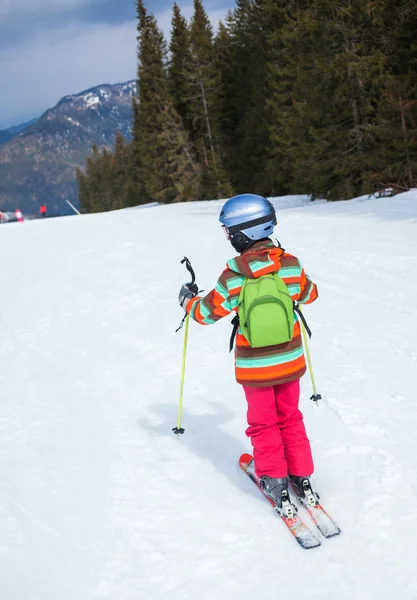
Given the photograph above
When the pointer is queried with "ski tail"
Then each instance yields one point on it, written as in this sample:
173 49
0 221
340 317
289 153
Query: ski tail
325 524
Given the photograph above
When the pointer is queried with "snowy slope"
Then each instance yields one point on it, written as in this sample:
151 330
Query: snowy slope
98 498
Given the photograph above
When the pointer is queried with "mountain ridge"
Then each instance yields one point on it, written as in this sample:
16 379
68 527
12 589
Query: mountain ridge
38 164
11 132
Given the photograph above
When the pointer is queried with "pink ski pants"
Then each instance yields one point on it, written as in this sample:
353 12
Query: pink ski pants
277 432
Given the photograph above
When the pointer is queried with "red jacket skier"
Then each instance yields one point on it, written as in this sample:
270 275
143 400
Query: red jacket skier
270 376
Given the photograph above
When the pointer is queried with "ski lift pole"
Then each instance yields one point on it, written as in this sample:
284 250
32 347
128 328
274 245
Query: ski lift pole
178 429
73 207
315 397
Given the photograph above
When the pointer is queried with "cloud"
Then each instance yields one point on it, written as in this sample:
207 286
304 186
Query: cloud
10 8
37 72
24 20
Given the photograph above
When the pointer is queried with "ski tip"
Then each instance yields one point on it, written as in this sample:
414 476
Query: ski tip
245 460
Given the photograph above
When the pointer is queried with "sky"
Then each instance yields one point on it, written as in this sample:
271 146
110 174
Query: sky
52 48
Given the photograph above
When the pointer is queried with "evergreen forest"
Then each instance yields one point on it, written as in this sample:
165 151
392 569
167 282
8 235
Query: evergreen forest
283 97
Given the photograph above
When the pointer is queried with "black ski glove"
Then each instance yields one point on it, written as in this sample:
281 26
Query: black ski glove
188 290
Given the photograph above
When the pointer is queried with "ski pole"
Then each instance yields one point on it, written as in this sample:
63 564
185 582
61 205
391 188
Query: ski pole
315 397
178 429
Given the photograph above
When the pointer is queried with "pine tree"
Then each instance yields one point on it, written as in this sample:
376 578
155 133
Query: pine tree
94 181
137 187
158 130
206 82
242 43
224 53
180 65
256 26
120 173
327 100
152 85
83 196
182 167
357 72
396 123
290 54
106 172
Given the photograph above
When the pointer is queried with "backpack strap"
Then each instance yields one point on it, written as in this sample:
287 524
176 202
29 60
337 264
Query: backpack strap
297 309
235 323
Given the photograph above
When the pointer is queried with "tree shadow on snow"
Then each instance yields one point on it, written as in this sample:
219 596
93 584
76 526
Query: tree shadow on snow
205 437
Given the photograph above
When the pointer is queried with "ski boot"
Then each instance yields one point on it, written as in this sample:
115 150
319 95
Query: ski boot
304 491
277 490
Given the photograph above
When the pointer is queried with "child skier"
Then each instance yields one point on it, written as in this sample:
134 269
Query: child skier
270 375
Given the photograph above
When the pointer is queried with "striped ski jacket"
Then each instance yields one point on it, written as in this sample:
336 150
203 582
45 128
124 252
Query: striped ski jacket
259 367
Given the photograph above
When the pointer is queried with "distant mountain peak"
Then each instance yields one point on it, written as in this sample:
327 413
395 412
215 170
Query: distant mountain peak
101 93
38 165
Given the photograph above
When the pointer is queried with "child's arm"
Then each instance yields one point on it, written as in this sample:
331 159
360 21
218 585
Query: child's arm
308 289
215 305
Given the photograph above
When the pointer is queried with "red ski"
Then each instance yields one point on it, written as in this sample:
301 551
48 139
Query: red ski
304 536
323 522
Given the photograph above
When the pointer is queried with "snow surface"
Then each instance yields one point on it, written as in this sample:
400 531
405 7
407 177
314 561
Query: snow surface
98 498
72 121
91 100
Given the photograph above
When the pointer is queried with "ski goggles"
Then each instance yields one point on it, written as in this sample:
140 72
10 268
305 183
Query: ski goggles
226 232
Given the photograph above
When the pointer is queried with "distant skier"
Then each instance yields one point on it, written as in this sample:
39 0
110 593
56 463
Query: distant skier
270 374
19 215
42 210
1 218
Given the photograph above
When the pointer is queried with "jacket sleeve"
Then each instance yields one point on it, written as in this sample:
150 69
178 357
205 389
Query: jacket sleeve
308 289
212 307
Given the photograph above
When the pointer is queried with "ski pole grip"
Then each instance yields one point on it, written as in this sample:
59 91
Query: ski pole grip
189 268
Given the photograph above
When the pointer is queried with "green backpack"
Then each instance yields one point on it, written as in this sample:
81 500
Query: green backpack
266 311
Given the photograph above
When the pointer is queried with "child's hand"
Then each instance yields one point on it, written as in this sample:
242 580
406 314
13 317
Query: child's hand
188 290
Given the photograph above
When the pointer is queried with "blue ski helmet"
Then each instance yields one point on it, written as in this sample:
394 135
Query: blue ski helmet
246 219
